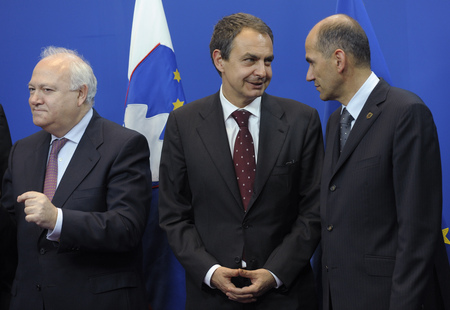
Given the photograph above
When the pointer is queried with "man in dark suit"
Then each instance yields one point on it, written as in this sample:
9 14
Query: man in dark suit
381 191
238 249
7 263
81 249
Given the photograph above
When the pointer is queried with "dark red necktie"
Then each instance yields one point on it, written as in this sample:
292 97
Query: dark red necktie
51 174
244 156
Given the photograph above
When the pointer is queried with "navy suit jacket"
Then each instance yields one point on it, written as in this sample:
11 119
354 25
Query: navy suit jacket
104 195
381 204
201 208
7 244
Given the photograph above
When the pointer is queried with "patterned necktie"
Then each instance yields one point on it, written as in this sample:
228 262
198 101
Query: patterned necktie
346 120
51 174
244 156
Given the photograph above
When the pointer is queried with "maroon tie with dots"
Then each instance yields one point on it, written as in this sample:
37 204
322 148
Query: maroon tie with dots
244 156
51 174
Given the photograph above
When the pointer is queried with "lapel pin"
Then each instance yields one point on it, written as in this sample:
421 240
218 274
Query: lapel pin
369 115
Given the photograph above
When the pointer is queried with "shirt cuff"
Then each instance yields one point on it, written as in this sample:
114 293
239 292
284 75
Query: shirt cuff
209 274
279 283
55 234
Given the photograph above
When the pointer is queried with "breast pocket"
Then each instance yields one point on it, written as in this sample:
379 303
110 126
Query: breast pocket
281 176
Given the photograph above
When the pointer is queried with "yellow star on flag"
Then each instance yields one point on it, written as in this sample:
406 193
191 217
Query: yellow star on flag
177 104
445 232
176 76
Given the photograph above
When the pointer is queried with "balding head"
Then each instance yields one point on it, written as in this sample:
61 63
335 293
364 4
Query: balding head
341 32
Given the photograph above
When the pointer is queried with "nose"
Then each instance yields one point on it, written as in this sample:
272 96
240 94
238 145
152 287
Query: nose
261 69
35 98
309 75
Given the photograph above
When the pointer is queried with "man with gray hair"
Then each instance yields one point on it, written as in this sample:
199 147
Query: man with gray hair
77 195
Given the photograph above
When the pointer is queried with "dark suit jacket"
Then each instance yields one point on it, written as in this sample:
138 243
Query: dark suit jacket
381 204
105 195
201 209
7 244
5 144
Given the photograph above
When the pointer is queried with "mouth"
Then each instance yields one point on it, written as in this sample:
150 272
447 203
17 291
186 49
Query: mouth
257 84
35 110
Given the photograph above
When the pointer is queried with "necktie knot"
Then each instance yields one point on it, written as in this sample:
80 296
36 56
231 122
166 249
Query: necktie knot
346 117
241 117
57 145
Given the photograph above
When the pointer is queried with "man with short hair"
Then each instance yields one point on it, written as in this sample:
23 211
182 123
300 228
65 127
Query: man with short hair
243 221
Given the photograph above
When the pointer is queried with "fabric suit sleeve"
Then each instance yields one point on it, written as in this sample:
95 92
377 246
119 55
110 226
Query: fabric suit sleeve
297 248
418 195
175 208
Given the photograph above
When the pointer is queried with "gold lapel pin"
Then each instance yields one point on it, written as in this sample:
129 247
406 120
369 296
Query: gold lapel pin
369 115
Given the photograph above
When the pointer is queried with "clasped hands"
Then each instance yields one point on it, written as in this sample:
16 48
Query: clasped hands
39 209
261 279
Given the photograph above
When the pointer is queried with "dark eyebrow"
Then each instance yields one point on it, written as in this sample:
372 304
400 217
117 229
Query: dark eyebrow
248 55
270 58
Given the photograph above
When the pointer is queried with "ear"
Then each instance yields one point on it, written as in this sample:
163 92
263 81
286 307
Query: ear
82 94
218 60
341 60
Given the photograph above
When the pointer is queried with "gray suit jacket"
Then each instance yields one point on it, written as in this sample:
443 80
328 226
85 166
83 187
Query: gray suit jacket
201 209
381 204
105 195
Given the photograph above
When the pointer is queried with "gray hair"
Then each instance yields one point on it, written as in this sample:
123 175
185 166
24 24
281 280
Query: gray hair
81 72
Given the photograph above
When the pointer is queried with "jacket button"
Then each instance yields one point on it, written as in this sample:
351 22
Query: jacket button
333 188
237 259
38 287
245 225
330 227
42 251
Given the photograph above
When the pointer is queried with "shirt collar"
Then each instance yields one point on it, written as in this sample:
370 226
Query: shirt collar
254 107
78 130
356 104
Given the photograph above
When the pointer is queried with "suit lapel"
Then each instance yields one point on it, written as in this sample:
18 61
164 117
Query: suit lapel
368 116
272 135
37 166
83 161
213 134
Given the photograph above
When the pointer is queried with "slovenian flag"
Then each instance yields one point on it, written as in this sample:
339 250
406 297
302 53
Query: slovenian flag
154 90
154 80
